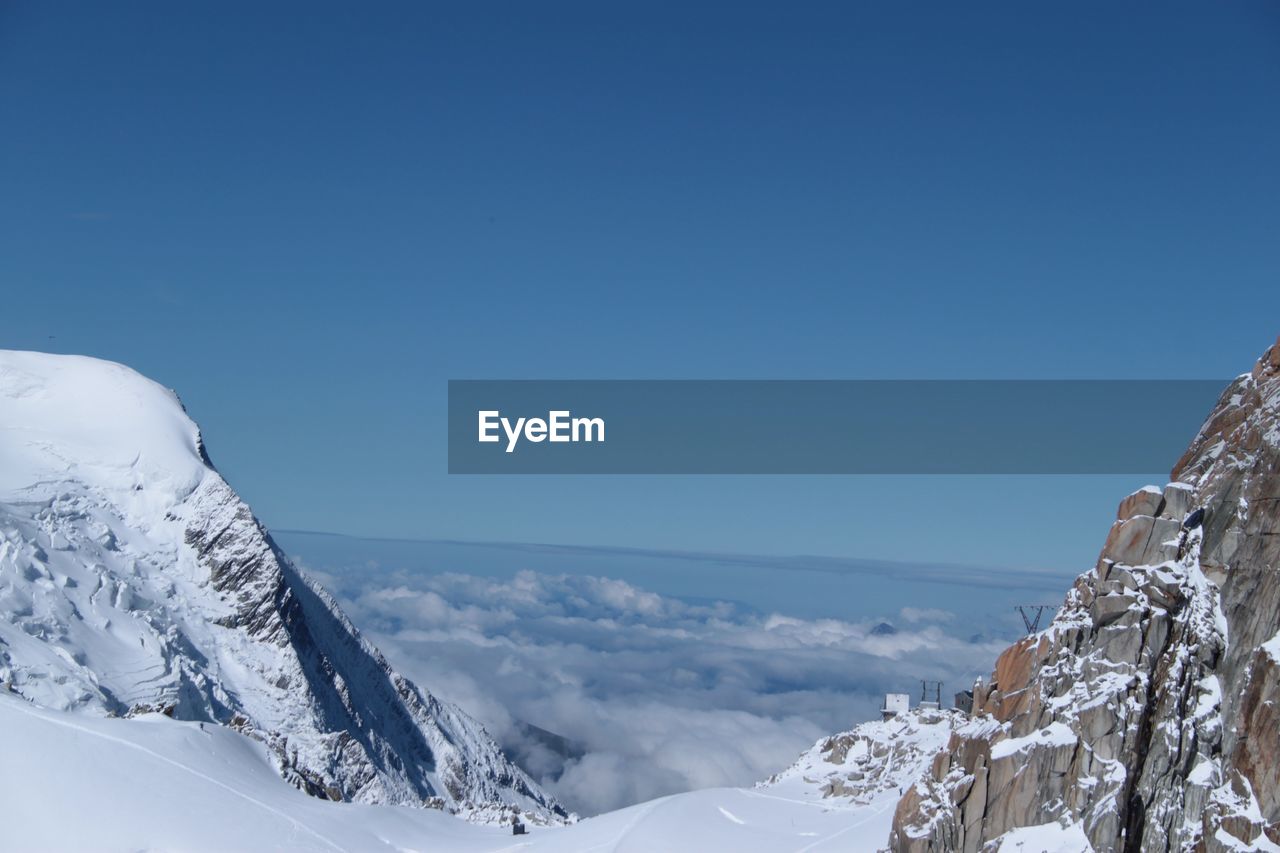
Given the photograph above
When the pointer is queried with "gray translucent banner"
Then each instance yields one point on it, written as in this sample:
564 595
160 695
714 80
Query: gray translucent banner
825 427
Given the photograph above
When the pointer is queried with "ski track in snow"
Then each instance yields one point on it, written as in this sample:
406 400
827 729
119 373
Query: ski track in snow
731 816
826 806
626 829
874 814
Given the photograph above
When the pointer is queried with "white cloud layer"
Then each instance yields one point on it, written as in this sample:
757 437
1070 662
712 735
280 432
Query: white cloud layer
655 694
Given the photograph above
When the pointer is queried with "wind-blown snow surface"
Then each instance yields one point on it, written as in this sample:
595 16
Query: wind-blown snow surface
155 783
133 579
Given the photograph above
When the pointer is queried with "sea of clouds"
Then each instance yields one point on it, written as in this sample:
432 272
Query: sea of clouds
651 694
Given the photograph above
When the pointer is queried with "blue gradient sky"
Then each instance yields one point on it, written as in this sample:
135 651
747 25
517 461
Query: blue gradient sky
307 217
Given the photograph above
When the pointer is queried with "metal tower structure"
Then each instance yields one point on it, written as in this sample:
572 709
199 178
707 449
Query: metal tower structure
1032 622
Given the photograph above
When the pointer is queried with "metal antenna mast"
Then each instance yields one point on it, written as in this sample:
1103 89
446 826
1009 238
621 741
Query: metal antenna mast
1032 622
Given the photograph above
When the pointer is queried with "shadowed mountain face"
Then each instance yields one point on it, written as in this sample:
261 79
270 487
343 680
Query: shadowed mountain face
1146 714
133 579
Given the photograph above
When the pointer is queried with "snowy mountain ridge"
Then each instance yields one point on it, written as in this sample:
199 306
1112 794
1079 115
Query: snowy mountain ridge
134 580
873 759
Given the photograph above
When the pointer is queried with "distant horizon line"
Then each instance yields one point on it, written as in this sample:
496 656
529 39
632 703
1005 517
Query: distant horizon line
803 562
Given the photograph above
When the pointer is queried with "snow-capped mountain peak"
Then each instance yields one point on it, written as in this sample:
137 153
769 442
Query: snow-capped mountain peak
133 579
66 418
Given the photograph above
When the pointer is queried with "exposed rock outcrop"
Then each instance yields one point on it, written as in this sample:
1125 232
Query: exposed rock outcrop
1148 713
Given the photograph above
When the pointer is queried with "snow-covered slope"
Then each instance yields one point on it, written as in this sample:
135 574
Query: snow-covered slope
85 783
134 580
151 782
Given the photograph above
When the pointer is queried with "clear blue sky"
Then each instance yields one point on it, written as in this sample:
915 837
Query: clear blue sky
307 217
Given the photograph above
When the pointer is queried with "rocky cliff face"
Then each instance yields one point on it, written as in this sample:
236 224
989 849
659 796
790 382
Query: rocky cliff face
133 579
1148 714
